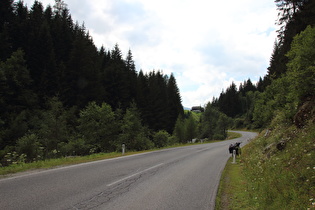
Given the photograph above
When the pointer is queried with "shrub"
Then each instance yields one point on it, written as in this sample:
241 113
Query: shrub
161 139
30 146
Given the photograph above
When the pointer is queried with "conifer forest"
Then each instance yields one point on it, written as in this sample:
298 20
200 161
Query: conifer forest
62 96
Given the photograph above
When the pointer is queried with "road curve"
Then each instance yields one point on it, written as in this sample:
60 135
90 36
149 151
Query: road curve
176 178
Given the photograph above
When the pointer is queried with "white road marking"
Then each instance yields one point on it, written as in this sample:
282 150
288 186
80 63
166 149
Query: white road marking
140 172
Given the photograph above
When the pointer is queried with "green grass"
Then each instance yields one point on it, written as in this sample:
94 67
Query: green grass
271 178
51 163
232 192
195 115
233 135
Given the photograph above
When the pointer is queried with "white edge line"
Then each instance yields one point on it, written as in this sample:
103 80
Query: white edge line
140 172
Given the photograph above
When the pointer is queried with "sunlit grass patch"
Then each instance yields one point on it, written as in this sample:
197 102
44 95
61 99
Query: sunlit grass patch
232 192
233 135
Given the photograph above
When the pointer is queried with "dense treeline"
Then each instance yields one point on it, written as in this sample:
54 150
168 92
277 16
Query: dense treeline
60 95
290 78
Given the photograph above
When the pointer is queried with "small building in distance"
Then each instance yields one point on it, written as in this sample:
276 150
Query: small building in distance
197 109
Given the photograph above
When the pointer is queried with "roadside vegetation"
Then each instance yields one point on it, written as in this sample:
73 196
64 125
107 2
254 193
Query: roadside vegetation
22 166
277 169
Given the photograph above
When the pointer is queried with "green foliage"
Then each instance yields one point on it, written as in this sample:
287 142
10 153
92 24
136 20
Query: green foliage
301 66
290 78
97 126
45 54
29 145
190 129
53 127
75 147
214 124
283 96
279 169
133 134
185 128
273 100
16 98
13 158
161 139
179 130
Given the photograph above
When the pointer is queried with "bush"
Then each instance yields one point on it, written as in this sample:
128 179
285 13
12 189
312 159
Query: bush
74 147
238 123
30 146
97 126
143 143
218 137
161 139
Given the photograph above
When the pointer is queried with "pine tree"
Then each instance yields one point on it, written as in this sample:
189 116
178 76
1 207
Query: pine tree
157 101
6 19
116 81
16 97
174 106
134 134
294 16
20 30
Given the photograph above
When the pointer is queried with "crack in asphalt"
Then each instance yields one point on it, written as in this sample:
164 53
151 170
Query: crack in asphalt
123 186
113 191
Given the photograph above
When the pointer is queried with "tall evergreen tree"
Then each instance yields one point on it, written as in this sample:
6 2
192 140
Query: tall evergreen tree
174 106
229 102
21 27
16 96
115 81
157 101
294 16
6 19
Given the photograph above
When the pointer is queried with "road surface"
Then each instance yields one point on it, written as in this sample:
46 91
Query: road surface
176 178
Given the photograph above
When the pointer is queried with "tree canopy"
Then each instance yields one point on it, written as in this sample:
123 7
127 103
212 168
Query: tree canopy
52 73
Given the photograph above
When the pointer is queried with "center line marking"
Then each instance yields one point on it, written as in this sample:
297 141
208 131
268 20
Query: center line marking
120 180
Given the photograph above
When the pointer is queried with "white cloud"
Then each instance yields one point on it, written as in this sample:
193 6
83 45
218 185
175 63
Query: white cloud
207 44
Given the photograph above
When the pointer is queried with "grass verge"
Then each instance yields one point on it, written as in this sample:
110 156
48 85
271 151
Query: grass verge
233 135
275 171
51 163
232 192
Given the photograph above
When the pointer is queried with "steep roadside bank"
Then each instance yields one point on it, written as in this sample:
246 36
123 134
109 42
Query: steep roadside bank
276 171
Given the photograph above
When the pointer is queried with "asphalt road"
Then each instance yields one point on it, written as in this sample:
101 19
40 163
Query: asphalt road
177 178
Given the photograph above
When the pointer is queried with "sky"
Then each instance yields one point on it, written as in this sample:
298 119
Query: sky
205 44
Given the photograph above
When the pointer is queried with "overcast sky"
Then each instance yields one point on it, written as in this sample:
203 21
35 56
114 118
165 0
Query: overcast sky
206 44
